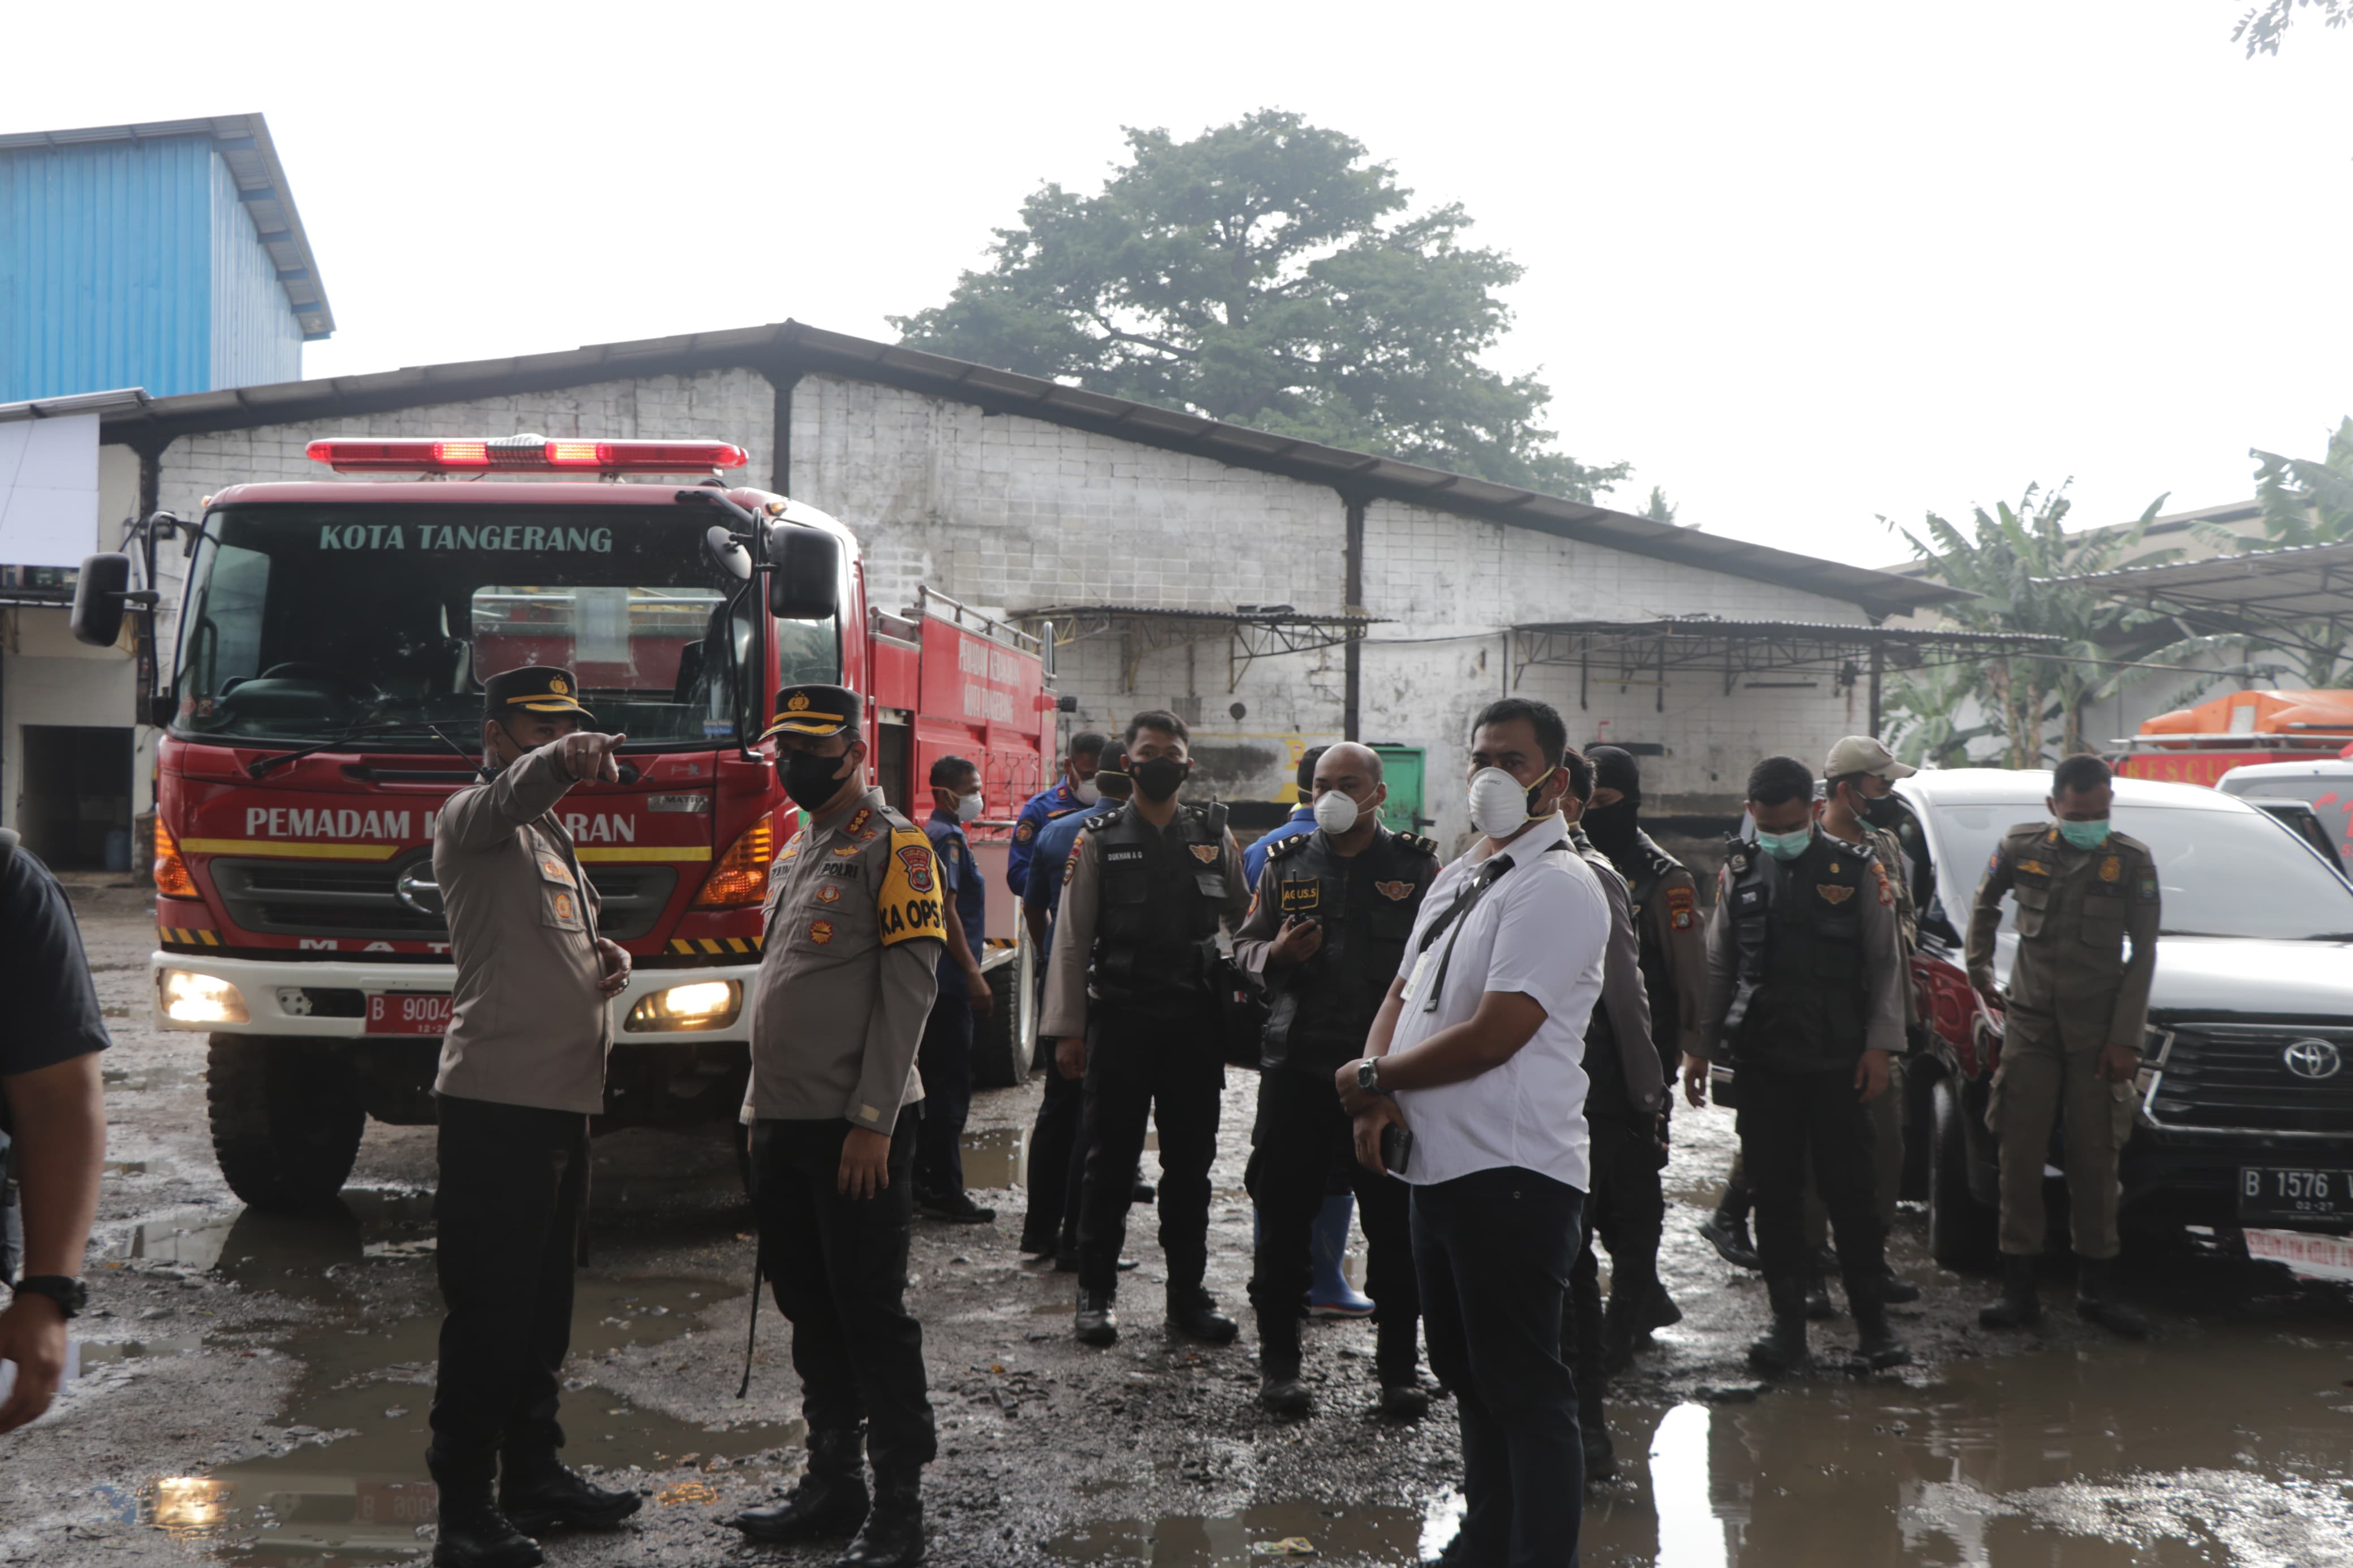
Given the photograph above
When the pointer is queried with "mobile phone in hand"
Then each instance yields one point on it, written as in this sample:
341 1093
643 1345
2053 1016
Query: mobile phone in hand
1397 1148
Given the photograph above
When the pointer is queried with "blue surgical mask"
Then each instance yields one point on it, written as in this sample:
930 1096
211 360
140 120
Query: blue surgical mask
1784 846
2085 834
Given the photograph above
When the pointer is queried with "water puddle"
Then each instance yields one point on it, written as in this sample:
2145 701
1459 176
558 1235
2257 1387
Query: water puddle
1273 1533
351 1482
997 1158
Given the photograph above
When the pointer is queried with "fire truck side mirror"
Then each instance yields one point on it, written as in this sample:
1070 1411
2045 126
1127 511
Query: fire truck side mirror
803 572
98 601
727 555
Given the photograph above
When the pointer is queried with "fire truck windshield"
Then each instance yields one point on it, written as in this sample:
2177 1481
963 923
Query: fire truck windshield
303 622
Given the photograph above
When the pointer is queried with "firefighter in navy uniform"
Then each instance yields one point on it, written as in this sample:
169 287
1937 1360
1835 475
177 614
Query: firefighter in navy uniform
1805 993
1149 886
1326 933
854 930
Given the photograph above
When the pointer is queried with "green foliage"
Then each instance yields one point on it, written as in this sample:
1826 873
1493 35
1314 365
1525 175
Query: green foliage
2009 557
1922 709
1658 509
2306 502
2261 28
1266 273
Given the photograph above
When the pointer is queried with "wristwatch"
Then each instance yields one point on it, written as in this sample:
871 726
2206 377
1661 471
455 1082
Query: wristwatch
70 1295
1368 1075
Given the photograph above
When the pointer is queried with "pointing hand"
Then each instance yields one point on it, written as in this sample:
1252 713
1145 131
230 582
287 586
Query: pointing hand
587 754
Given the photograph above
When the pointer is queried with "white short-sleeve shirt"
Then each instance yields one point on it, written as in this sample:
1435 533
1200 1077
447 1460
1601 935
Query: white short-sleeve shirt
1540 931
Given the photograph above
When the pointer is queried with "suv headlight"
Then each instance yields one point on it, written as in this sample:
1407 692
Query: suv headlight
190 998
700 1005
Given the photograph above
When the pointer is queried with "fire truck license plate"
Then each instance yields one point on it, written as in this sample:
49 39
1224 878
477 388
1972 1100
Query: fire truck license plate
407 1013
2267 1192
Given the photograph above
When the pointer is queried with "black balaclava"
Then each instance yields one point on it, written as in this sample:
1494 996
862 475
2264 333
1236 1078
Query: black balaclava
1612 827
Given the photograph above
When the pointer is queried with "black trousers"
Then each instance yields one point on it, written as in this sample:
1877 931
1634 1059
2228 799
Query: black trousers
1625 1212
839 1267
1302 1139
508 1212
944 1059
1154 1064
1785 1120
1493 1251
1058 1162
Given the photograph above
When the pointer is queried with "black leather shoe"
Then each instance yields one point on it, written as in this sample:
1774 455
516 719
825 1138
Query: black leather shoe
1194 1313
538 1494
2095 1300
1660 1312
2018 1306
829 1500
1895 1290
1729 1236
1601 1453
1096 1323
1280 1392
1877 1346
475 1535
1036 1249
1818 1300
892 1535
1143 1192
1783 1349
1405 1400
956 1208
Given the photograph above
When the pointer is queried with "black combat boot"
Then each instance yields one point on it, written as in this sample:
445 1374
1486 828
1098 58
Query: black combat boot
2095 1300
1280 1390
475 1535
1193 1313
1728 1229
1818 1307
2018 1306
1601 1453
537 1494
1096 1323
1896 1290
1403 1395
1877 1346
892 1535
1783 1349
830 1501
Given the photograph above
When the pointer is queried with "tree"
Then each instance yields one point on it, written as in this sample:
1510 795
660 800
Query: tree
1923 711
2306 502
2261 27
2010 558
1266 273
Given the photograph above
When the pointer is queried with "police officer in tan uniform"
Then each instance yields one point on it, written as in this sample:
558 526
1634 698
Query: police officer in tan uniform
2072 1021
848 973
523 1069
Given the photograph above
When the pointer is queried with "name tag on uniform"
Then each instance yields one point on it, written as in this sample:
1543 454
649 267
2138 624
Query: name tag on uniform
1298 898
1424 968
1117 855
553 868
838 869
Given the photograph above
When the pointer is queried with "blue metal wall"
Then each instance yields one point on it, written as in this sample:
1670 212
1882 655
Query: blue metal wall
133 264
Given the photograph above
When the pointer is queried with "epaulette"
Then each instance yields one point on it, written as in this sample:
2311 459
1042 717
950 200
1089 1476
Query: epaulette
2129 842
1290 846
1102 820
1662 863
1417 844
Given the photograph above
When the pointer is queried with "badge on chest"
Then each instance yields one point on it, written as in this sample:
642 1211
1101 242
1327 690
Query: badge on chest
1299 897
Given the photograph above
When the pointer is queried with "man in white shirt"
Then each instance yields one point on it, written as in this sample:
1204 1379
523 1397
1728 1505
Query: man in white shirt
1478 1052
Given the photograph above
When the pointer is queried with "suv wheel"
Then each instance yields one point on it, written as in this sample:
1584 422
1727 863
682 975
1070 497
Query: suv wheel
999 1059
1961 1230
286 1119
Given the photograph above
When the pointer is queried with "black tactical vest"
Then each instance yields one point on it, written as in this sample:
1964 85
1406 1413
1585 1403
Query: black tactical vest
1646 868
1367 904
1605 1072
1162 893
1803 1001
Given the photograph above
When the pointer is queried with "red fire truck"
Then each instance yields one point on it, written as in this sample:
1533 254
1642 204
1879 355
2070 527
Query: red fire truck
325 700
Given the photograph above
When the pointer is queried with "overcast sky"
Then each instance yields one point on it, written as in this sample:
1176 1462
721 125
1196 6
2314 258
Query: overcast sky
1800 265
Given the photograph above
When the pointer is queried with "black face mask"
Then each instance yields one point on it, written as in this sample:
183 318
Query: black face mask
1882 812
810 779
1159 778
1612 826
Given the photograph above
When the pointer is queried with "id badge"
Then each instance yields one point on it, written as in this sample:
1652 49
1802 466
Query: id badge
1424 968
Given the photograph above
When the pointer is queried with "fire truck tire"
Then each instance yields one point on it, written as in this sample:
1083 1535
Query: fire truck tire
1961 1230
999 1060
286 1121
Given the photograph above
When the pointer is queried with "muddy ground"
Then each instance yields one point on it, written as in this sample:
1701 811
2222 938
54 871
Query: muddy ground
253 1390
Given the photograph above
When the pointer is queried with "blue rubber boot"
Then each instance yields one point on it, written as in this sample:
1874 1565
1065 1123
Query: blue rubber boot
1331 1295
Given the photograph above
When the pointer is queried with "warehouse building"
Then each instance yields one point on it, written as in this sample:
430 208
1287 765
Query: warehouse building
1275 593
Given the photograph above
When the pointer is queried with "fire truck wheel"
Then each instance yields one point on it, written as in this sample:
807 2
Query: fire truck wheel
1961 1230
999 1060
286 1119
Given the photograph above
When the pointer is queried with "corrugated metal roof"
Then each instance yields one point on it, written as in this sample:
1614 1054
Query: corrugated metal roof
243 142
789 348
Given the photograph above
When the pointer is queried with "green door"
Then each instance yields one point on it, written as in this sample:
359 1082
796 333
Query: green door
1401 770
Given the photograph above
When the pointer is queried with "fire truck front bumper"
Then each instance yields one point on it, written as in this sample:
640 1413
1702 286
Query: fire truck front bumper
215 995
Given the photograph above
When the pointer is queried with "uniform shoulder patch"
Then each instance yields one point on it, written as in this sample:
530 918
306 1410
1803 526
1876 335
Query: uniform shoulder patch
1396 892
1886 893
1682 907
1025 831
908 905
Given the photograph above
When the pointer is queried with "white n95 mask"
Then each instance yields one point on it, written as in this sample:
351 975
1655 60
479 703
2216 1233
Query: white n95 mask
1500 804
1335 813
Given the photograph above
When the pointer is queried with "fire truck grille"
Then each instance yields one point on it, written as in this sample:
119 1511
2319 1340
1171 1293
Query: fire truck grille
2238 1075
348 899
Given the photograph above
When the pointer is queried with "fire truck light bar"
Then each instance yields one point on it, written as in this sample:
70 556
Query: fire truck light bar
526 454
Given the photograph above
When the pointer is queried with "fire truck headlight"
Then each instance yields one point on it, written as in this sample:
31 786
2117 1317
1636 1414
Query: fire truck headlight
190 998
703 1004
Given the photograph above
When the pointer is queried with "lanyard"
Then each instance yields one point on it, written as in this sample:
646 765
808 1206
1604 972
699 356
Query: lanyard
1465 899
